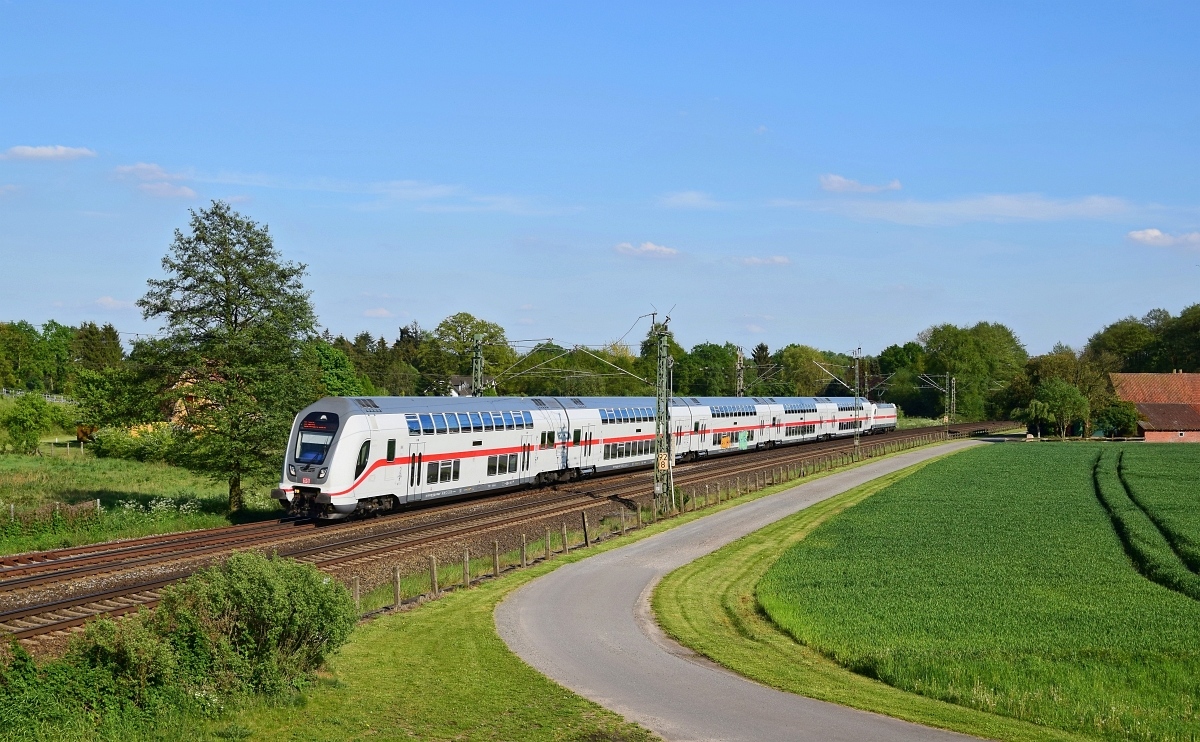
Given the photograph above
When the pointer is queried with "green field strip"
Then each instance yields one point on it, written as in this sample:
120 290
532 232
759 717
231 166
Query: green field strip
1164 481
1145 543
992 581
710 607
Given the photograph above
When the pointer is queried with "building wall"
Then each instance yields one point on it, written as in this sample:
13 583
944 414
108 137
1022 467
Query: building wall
1172 436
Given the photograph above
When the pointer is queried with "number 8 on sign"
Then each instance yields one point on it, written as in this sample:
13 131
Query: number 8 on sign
662 462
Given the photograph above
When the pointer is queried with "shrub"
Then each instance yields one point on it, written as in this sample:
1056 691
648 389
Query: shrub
149 442
26 421
251 625
256 622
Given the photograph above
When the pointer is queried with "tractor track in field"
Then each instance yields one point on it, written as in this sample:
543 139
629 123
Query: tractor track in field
48 593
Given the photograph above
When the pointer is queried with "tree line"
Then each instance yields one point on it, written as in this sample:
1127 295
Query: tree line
240 352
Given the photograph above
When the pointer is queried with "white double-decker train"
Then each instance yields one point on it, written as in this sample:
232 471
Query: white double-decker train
372 454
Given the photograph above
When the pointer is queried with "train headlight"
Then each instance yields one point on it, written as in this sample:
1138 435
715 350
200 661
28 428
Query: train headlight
321 474
291 470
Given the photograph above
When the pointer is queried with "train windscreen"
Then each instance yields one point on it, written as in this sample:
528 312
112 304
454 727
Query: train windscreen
316 436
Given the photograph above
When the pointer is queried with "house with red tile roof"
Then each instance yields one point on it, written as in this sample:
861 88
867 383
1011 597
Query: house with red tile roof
1168 405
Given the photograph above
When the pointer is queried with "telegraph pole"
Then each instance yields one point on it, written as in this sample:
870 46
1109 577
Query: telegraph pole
953 397
477 367
741 374
857 404
949 402
664 465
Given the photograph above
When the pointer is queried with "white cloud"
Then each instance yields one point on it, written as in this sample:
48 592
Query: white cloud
107 302
167 190
156 180
147 171
1158 238
838 184
689 200
48 152
756 329
761 130
1001 207
7 189
377 312
771 260
646 250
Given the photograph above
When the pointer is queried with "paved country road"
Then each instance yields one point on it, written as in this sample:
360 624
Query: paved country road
589 627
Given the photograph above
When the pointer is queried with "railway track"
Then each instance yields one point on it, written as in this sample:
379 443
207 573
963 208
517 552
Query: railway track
45 568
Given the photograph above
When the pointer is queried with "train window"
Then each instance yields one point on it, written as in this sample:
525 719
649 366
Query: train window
439 423
391 454
364 453
414 425
476 422
431 472
607 450
508 420
502 465
512 462
454 476
487 421
528 419
491 466
464 422
649 413
452 422
447 467
427 424
576 437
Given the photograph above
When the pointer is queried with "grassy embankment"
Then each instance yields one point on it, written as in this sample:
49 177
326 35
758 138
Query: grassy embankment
136 499
994 581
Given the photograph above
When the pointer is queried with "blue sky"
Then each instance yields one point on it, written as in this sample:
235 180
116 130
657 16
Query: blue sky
837 176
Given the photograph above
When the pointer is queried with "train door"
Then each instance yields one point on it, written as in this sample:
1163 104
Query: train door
415 470
589 444
525 459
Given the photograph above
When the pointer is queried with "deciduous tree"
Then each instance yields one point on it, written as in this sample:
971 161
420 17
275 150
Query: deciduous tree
235 317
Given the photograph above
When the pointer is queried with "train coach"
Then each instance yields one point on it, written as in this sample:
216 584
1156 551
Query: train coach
351 455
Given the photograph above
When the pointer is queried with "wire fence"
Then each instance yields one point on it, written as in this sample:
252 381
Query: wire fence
58 398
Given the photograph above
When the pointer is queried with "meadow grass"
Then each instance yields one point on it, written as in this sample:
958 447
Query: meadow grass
995 580
1162 479
709 606
136 499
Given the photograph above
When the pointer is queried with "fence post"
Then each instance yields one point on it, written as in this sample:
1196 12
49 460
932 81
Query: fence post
97 506
547 543
587 536
12 512
495 559
433 575
566 548
396 596
639 513
357 598
524 557
622 520
466 567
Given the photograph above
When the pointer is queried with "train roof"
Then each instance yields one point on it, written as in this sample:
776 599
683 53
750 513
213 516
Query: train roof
395 405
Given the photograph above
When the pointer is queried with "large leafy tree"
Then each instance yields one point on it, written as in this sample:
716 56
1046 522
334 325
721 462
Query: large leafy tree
236 318
1065 403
